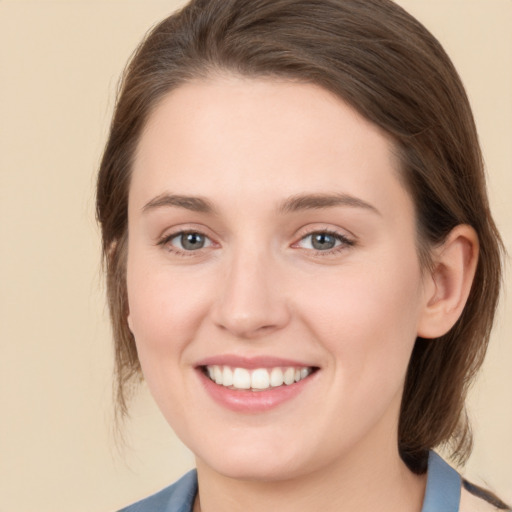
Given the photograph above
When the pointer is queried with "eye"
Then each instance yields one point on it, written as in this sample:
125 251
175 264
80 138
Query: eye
324 241
187 241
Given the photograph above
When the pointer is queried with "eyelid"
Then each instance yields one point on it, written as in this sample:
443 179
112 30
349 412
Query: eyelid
177 229
319 227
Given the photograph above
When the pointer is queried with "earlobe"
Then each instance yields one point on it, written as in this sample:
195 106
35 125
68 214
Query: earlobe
449 282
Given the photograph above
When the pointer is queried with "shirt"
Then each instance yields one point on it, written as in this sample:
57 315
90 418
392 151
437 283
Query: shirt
442 494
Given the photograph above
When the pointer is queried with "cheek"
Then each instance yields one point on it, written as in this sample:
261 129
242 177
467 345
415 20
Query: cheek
165 308
164 318
367 315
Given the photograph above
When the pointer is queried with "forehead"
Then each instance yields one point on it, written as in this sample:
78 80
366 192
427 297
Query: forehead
260 137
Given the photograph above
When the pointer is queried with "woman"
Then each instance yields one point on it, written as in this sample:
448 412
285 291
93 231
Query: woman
300 255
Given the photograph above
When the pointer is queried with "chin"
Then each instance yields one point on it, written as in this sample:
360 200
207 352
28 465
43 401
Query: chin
257 471
259 463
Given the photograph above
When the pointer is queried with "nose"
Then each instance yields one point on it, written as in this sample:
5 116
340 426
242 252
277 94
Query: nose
251 301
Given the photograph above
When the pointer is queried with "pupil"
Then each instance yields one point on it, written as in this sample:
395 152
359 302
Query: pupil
323 241
192 241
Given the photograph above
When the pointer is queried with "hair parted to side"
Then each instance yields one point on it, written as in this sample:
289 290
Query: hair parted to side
387 66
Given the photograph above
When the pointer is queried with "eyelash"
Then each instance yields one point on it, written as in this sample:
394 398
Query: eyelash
344 242
165 242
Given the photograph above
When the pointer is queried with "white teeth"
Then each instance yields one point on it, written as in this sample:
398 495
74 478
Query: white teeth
241 378
258 379
276 377
227 376
217 374
289 376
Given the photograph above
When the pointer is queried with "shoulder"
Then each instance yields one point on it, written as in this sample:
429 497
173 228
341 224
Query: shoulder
476 499
178 497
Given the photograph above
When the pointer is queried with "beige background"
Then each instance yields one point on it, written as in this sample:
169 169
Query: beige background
59 64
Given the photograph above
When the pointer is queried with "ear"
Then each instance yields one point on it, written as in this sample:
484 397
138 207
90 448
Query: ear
448 284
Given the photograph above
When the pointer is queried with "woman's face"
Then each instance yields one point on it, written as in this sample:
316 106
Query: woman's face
271 240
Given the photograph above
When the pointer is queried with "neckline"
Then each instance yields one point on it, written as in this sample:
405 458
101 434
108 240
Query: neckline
442 491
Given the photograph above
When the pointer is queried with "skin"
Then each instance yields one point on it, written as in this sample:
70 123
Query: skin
258 287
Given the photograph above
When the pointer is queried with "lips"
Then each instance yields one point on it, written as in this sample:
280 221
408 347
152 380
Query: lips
254 385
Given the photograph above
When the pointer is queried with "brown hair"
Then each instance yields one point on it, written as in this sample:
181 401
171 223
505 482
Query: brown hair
384 63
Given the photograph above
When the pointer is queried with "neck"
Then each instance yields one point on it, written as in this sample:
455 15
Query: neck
384 484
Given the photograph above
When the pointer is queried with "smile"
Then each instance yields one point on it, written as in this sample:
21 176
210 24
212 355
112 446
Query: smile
258 379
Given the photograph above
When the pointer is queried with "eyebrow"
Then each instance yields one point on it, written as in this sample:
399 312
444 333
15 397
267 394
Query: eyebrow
321 201
192 203
293 204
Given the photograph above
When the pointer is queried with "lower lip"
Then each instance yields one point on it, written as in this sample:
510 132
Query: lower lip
247 401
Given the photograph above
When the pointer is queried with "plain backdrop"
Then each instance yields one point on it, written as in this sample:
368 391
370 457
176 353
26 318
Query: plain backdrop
59 66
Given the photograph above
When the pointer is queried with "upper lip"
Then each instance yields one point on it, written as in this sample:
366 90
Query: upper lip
251 362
